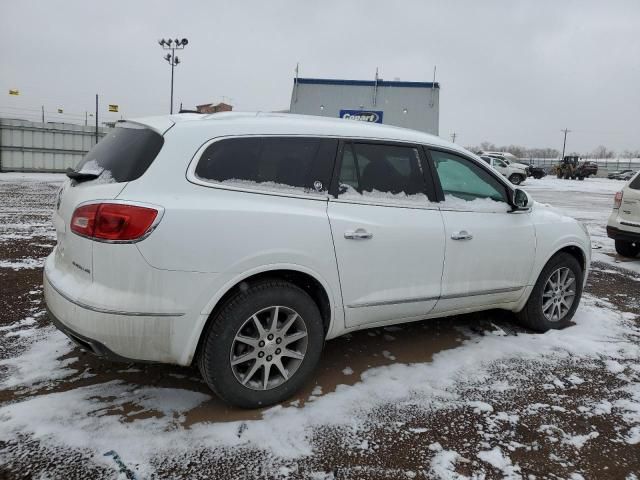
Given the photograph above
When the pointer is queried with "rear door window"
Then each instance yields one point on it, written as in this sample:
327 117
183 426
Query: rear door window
124 154
381 173
283 164
635 183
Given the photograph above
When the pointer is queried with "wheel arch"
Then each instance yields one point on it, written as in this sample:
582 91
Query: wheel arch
307 280
573 249
576 252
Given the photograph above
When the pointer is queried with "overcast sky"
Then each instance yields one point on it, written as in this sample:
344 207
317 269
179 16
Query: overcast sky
511 72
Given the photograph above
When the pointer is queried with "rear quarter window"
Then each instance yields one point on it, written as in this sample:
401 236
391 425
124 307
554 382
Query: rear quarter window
635 183
279 164
124 154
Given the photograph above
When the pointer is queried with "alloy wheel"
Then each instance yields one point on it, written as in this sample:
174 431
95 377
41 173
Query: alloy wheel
268 348
558 294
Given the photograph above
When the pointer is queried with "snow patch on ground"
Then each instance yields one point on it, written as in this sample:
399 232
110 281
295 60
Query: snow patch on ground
32 177
40 362
497 459
443 463
79 417
25 263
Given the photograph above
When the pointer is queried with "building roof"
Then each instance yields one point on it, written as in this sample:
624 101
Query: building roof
216 105
366 83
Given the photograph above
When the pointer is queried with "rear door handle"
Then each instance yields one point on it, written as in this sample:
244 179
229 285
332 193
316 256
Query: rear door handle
461 235
358 234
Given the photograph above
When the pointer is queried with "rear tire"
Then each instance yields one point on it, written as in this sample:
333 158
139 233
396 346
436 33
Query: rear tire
628 249
539 313
270 351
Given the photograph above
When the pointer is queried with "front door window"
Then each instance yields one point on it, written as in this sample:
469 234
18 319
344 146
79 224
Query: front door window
468 186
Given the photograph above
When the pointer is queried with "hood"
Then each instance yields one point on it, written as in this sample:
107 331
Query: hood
549 209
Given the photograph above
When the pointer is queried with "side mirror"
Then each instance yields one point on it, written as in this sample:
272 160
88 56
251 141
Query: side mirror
520 200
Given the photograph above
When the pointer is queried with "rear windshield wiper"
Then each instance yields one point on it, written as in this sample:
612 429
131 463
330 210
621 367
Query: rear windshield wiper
82 176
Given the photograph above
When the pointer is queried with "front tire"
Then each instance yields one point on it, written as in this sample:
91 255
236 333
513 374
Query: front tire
627 249
555 296
262 345
516 179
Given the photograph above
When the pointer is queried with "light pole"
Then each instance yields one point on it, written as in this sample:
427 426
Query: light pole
564 144
173 60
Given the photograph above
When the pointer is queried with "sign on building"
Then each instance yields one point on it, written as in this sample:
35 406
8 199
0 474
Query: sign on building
372 116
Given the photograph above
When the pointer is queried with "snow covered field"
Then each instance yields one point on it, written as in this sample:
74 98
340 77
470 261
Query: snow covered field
469 397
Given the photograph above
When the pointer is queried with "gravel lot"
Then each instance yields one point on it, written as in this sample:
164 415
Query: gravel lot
468 397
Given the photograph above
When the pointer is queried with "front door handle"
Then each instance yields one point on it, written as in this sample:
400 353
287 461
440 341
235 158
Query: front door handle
461 235
358 234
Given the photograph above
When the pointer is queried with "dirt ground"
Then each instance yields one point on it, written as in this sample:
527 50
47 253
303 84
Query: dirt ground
536 423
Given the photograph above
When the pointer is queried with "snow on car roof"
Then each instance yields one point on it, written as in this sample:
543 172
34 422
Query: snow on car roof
268 123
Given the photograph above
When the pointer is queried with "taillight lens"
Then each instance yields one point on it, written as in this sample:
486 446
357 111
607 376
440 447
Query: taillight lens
113 221
617 200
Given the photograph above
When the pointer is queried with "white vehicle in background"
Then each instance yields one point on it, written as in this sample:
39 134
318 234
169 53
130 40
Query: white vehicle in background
624 223
240 242
514 172
509 158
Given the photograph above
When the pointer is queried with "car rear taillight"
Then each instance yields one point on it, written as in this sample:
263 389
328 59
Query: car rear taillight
617 200
113 221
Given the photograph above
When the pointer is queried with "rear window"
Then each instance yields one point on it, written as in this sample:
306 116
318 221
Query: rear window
635 183
124 154
294 164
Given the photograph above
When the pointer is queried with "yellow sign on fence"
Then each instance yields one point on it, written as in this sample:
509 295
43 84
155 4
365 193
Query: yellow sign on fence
113 108
14 91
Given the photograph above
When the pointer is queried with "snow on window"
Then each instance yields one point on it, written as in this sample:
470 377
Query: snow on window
93 167
350 193
477 204
270 187
104 175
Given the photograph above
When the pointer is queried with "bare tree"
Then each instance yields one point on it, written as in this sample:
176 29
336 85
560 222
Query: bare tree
602 152
630 154
488 147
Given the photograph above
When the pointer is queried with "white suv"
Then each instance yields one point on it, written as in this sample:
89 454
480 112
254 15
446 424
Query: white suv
241 242
624 222
513 171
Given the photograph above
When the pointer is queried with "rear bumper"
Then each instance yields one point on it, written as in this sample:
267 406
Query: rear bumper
116 336
88 344
625 235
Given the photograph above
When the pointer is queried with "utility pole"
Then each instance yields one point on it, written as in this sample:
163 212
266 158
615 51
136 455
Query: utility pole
42 113
453 137
96 118
564 144
172 45
86 118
